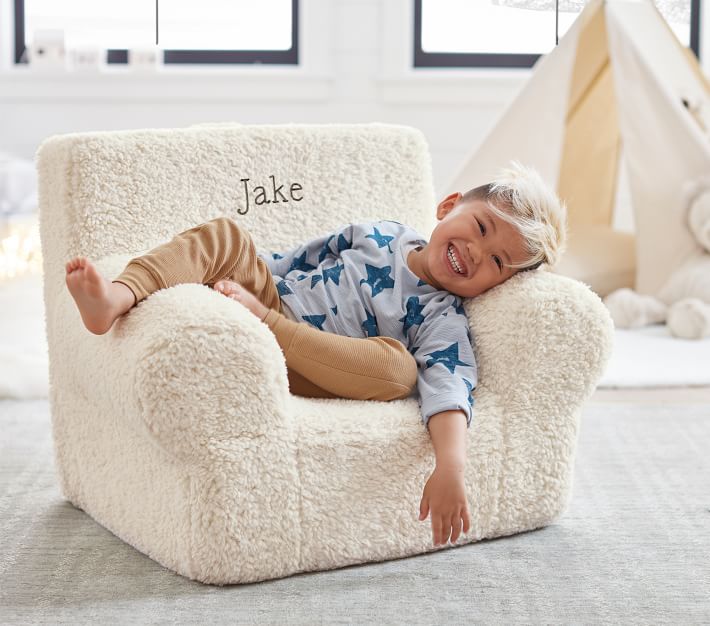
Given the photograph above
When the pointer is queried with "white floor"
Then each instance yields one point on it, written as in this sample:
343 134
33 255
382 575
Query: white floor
652 357
23 344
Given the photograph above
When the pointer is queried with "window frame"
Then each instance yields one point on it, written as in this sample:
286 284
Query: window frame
182 57
423 59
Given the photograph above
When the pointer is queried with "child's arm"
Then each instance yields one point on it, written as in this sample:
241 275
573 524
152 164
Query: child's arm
445 492
447 365
447 377
448 434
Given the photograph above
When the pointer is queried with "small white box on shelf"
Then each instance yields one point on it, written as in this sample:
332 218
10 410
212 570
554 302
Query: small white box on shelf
85 59
144 59
47 51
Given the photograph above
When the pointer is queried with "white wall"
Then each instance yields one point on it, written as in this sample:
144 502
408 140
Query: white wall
355 68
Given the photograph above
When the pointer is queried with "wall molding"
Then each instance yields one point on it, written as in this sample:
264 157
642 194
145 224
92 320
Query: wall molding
165 86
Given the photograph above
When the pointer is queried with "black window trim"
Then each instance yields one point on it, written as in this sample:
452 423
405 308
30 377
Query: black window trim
478 59
117 57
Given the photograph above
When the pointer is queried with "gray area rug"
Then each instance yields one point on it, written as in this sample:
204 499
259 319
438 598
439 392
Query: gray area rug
633 547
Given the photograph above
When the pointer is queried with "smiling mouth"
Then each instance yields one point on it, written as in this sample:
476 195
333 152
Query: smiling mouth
453 263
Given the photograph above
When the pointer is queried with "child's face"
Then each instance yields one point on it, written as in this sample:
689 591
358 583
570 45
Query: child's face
482 242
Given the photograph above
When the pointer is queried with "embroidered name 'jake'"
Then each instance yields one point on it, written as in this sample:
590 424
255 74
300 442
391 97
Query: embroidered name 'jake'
260 193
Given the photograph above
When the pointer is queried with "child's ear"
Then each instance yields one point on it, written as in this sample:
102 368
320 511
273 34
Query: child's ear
447 204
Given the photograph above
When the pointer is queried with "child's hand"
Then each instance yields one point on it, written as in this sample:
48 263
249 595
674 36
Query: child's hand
237 292
445 494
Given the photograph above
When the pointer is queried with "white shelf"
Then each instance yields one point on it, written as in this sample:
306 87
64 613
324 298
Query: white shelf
166 84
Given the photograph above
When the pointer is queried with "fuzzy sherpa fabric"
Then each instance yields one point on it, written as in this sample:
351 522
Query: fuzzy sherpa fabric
176 429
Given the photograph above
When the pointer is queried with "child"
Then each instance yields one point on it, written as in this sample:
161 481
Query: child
363 292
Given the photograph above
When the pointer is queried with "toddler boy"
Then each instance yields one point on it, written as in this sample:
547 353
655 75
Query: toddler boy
379 285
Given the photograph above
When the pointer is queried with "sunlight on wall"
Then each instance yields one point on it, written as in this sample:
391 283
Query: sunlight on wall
20 251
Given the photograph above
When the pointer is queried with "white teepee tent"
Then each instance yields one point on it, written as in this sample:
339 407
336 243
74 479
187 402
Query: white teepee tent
619 104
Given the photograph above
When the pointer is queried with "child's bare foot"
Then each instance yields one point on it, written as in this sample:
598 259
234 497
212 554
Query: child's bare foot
99 300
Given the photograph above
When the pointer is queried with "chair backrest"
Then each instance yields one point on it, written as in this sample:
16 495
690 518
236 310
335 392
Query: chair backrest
124 192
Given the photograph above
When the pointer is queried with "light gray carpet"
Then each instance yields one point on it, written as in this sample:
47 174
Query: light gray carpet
633 548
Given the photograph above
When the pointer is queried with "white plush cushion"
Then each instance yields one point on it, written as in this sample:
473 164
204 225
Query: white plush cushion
176 429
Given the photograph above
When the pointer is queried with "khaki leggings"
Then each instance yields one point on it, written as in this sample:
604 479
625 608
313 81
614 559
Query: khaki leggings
319 364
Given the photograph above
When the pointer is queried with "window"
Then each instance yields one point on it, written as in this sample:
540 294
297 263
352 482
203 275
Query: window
514 33
208 31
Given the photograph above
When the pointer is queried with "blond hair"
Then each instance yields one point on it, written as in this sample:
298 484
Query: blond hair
519 196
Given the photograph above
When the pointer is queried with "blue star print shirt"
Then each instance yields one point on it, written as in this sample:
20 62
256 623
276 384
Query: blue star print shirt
355 281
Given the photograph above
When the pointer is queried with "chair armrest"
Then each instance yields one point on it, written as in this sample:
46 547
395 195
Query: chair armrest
540 337
211 374
542 342
192 367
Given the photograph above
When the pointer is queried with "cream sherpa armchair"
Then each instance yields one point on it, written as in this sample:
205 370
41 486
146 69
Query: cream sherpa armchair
176 429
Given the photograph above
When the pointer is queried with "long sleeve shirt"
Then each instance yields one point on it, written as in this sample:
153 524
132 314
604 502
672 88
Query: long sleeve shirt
355 281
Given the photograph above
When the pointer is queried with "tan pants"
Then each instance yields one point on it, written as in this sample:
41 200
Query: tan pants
319 364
